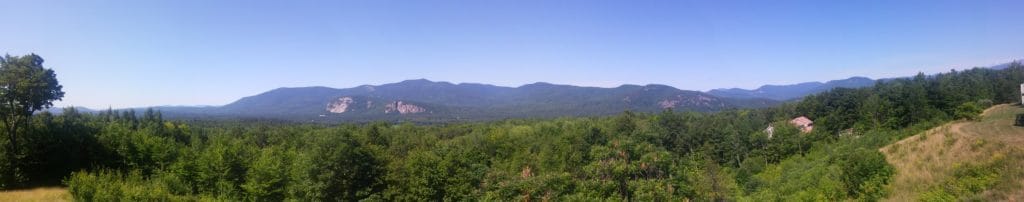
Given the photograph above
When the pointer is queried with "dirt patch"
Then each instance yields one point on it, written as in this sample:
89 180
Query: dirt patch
36 194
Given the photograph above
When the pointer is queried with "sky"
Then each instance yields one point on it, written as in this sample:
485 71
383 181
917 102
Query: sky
152 53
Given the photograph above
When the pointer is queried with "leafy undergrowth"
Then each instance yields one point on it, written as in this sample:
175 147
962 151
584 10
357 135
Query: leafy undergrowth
963 160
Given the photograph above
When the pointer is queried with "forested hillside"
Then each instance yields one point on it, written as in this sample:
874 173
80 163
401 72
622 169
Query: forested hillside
664 156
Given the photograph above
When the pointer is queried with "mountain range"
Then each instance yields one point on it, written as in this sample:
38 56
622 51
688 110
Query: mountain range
423 100
794 91
429 101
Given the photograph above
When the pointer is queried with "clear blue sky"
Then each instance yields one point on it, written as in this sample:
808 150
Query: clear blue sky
144 53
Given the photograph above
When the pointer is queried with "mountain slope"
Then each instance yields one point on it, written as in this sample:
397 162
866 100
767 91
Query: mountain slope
788 92
424 100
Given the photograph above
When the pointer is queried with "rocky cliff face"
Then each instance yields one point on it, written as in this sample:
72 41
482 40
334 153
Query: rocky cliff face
402 108
668 103
339 106
699 100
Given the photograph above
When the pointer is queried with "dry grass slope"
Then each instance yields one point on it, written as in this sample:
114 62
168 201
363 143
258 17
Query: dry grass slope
47 194
927 160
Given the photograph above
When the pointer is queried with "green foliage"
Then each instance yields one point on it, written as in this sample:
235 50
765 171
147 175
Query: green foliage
802 178
969 180
25 87
10 172
865 173
264 179
707 181
106 185
336 167
968 110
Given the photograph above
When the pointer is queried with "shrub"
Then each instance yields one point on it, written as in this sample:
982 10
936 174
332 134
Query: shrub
865 173
968 110
108 185
969 180
985 103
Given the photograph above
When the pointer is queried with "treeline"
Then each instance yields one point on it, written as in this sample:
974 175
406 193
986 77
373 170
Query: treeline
667 156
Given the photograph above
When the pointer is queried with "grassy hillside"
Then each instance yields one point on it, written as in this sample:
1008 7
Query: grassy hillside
962 160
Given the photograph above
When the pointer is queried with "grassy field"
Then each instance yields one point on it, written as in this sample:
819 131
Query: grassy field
963 160
36 194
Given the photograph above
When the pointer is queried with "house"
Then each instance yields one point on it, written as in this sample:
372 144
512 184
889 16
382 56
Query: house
803 123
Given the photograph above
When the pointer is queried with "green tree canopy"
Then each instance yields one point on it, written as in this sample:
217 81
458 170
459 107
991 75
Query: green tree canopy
25 87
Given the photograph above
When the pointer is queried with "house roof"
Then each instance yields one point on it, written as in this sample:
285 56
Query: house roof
801 121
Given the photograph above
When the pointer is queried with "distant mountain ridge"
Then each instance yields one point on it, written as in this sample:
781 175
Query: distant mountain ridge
429 101
423 100
793 91
1004 65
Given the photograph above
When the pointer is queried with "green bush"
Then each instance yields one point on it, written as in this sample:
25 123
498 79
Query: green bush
106 185
968 110
969 180
865 173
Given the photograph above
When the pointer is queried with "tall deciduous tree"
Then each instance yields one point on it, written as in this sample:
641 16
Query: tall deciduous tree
25 87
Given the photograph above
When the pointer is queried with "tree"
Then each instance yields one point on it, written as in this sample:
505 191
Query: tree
265 179
25 87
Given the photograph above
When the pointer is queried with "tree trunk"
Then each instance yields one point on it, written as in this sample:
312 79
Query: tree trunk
11 122
12 160
12 130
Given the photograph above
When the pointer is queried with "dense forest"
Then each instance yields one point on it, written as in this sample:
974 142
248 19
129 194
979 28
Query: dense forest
667 156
